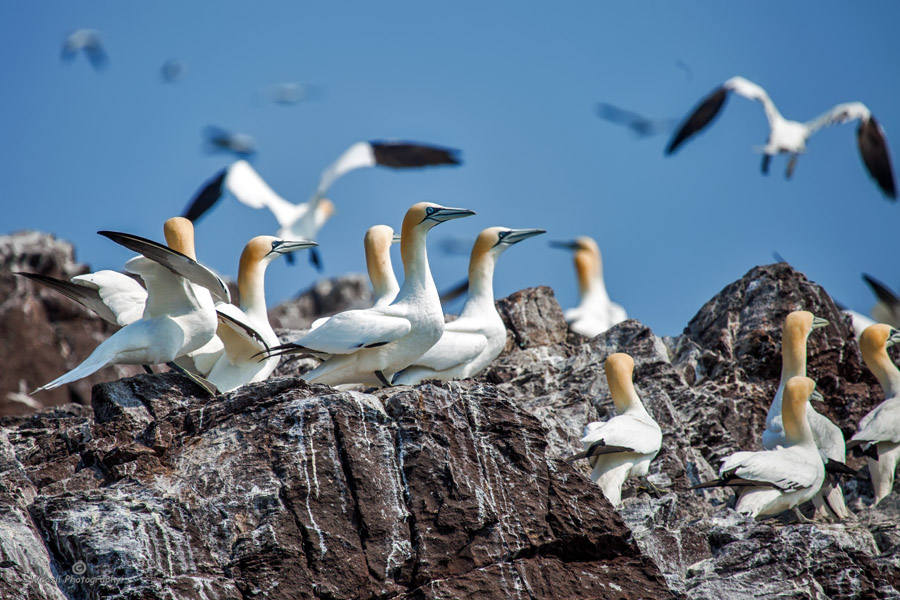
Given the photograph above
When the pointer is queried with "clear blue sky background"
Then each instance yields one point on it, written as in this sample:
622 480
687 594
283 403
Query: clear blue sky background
513 86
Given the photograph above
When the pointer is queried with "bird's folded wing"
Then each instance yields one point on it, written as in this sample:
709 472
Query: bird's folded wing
353 330
250 189
625 431
776 469
124 296
881 424
454 348
239 335
176 262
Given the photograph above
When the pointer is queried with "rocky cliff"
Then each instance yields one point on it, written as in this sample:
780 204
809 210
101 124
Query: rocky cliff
288 490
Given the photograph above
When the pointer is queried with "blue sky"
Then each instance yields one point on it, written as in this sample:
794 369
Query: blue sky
513 86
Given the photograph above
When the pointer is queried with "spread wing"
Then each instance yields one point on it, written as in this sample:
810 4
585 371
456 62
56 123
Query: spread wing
777 469
207 197
700 117
124 296
250 189
176 262
87 297
352 330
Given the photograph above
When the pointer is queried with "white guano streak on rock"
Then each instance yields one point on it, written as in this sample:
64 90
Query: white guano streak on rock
298 430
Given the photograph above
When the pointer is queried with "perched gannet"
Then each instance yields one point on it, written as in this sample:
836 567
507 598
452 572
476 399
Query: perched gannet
790 137
828 437
241 145
245 331
640 125
369 346
477 337
596 312
623 446
879 431
773 481
86 40
178 317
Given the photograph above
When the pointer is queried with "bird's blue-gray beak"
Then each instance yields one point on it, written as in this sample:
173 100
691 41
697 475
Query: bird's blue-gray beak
443 213
514 236
288 246
819 322
893 339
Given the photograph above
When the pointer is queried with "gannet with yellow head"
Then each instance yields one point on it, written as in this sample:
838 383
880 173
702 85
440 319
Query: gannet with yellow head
369 346
595 312
477 337
773 481
829 438
879 431
178 317
623 446
245 331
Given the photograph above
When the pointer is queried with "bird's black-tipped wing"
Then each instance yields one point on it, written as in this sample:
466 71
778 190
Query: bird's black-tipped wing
597 448
83 295
175 261
701 116
836 467
639 124
883 292
876 157
244 329
403 155
207 197
96 55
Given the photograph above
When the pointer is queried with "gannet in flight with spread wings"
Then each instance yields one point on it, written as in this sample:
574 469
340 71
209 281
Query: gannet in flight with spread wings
879 431
303 221
369 346
245 331
789 137
773 481
477 337
88 41
179 317
623 446
828 437
595 312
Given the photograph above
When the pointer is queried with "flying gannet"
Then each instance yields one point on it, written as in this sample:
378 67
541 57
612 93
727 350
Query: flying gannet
241 145
477 337
245 331
879 431
640 125
369 346
623 446
178 317
87 41
828 437
773 481
790 137
303 221
595 312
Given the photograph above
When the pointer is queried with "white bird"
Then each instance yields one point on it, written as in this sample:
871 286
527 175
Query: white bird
178 317
245 331
595 312
295 221
879 431
623 446
828 437
477 337
88 41
790 137
369 346
773 481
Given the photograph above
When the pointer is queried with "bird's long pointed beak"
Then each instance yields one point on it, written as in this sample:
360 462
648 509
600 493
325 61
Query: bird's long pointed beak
819 322
288 246
893 339
517 235
395 239
445 213
569 245
817 395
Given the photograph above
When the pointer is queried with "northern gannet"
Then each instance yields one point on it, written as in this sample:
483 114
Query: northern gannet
595 312
773 481
790 137
369 346
887 309
241 145
623 446
245 331
879 431
477 337
295 221
178 317
828 437
88 41
640 125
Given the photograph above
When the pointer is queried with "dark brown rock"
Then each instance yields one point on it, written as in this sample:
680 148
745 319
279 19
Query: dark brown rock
325 298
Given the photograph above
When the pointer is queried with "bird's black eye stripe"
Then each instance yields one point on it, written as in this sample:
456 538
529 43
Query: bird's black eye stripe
502 234
430 210
276 243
